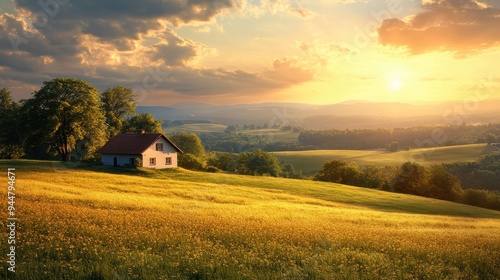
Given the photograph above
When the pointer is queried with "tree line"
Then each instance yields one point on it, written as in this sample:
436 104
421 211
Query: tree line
67 119
409 178
412 137
256 162
481 174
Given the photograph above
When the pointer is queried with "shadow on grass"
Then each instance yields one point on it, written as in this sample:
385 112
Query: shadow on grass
130 171
31 165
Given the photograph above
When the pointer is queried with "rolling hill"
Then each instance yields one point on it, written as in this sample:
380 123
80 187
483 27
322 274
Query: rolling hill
195 128
94 222
311 161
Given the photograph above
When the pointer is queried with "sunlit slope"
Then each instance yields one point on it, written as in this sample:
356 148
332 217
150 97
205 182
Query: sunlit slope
311 161
195 128
265 134
149 224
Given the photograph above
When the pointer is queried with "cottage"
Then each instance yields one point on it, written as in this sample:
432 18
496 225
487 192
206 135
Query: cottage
154 150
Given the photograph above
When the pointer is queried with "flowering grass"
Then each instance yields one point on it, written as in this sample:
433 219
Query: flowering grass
105 223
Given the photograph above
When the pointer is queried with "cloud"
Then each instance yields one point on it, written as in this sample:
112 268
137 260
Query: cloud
109 43
460 26
274 7
174 50
175 11
301 12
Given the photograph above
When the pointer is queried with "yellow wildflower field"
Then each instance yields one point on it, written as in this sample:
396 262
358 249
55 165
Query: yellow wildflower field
100 223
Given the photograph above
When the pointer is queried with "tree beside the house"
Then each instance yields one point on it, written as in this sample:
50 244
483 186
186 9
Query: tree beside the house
66 115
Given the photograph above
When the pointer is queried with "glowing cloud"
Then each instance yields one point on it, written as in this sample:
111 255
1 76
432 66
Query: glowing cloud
461 26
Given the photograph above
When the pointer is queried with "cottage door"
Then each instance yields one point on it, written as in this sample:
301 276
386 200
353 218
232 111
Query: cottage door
115 161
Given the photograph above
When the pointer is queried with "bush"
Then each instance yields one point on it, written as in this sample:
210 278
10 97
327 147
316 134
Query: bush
212 169
393 147
288 171
191 162
137 162
222 161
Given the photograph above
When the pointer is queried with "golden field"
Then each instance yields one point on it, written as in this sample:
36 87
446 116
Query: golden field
103 223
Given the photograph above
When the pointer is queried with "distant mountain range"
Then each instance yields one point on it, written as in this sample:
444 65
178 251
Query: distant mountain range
350 114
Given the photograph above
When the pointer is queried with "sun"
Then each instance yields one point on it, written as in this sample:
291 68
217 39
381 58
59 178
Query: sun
395 84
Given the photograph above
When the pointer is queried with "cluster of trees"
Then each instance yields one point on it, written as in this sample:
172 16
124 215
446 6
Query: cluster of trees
69 119
409 178
417 137
256 162
482 174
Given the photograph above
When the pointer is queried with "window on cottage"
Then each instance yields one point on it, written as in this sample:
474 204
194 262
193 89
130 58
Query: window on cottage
168 161
159 146
152 161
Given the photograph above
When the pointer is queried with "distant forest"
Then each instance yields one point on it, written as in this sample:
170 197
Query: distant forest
412 137
353 139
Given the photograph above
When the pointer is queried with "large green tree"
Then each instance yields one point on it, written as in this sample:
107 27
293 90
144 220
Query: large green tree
194 156
258 162
118 103
66 115
189 143
443 185
339 171
412 178
11 144
146 122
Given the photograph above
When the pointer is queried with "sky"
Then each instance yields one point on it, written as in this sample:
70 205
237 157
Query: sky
249 51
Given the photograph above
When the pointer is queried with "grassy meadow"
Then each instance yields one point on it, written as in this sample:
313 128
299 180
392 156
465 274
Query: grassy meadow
195 128
311 161
273 134
94 222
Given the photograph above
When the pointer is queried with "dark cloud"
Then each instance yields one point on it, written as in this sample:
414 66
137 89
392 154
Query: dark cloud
123 28
20 63
112 42
301 12
462 26
175 11
174 50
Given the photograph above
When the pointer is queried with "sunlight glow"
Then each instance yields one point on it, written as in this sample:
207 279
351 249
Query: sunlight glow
395 84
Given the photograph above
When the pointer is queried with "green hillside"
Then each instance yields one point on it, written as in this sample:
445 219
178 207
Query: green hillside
311 161
195 128
273 134
107 223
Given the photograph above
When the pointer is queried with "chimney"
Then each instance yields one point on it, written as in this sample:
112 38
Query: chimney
141 131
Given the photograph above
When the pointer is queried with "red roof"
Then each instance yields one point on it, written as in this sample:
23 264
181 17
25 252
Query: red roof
132 144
